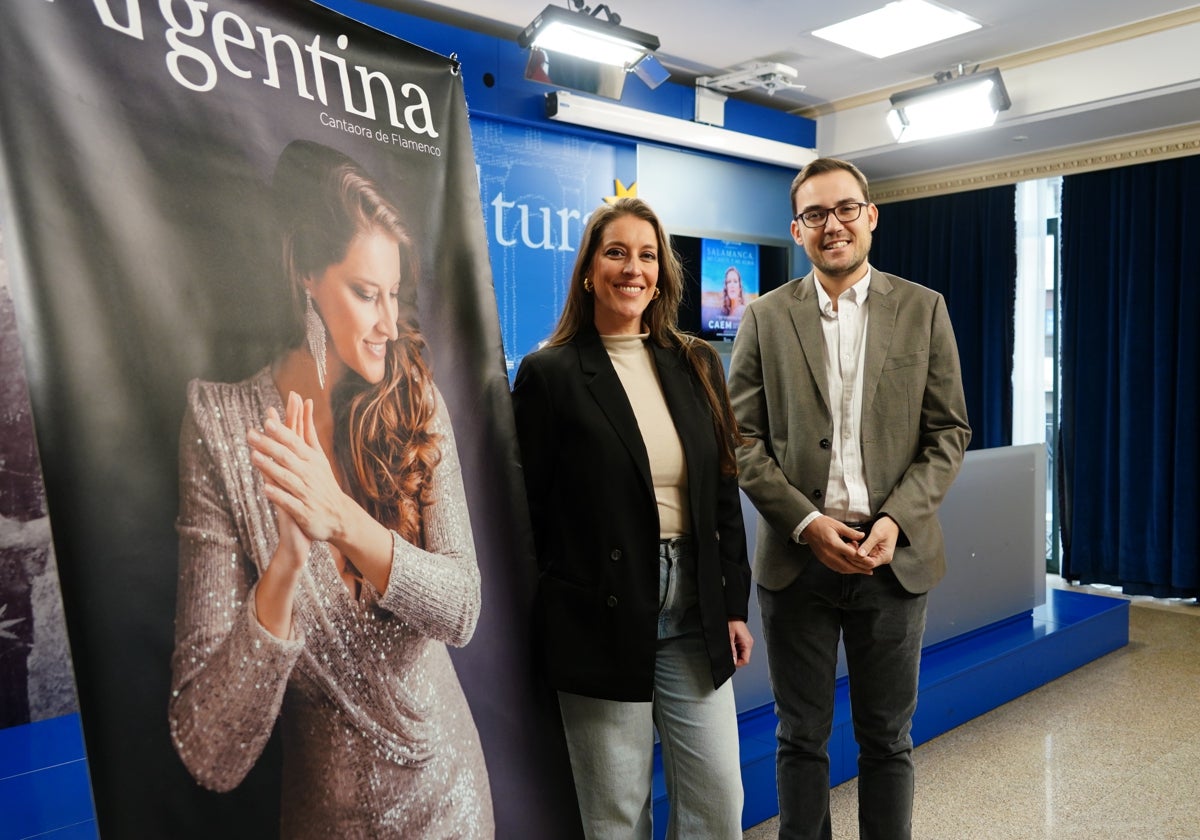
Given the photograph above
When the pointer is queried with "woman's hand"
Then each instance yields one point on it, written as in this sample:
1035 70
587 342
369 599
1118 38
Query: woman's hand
299 479
310 503
740 642
293 542
287 451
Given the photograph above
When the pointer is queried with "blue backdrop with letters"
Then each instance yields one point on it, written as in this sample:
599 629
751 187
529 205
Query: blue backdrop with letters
538 189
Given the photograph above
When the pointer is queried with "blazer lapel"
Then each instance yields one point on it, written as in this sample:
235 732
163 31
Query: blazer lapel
806 317
608 392
881 324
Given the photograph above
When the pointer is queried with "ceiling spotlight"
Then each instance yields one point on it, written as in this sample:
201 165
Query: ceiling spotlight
949 106
583 34
589 50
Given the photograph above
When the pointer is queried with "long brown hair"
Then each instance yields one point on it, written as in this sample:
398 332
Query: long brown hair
383 434
661 316
727 303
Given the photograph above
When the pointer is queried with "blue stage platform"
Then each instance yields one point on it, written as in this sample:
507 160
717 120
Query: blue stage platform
961 678
44 790
44 786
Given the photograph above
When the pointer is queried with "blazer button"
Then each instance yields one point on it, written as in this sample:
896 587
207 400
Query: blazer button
615 555
818 493
824 443
612 600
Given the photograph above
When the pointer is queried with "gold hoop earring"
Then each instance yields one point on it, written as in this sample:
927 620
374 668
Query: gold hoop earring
657 292
587 285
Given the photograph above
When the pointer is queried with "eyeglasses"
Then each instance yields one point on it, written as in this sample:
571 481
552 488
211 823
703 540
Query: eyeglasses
816 217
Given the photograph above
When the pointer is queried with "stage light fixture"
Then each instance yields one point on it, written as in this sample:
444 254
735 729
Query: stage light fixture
589 50
583 34
949 106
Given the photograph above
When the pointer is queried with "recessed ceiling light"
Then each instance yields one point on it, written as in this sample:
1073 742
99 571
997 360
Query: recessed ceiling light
897 27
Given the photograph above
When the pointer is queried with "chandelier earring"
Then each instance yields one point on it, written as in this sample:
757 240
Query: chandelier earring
314 331
657 292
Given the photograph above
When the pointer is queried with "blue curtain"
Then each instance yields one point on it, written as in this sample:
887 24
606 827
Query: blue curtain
1130 464
965 246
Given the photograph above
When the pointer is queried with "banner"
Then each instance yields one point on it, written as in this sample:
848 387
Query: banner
139 141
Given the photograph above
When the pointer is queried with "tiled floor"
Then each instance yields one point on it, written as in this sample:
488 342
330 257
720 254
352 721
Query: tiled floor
1110 751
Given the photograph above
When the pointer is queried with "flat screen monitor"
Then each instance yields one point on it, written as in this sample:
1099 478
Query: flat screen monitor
721 278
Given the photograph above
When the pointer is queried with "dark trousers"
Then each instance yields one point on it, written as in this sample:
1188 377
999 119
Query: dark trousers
882 625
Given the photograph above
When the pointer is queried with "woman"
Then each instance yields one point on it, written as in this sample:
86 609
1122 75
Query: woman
627 440
733 300
326 557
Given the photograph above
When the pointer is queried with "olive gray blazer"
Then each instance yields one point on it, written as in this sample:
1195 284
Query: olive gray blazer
914 421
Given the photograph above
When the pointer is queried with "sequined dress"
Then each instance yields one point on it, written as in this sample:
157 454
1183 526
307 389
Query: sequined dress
378 740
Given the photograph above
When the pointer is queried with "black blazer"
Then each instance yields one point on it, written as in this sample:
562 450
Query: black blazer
595 519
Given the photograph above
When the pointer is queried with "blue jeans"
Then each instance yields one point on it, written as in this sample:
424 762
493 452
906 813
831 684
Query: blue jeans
611 743
881 626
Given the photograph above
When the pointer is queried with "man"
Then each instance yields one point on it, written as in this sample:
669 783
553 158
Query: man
847 390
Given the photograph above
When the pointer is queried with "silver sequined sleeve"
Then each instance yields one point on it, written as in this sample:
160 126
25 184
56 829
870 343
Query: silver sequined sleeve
437 591
229 674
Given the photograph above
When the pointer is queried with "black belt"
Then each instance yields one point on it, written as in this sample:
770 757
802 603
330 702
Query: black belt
865 527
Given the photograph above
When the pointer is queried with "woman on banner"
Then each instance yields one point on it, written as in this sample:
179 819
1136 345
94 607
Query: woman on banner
326 557
733 299
627 440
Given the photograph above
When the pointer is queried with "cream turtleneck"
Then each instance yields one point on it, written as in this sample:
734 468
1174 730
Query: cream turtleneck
630 355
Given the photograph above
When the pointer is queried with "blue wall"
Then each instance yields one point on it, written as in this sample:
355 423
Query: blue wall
538 188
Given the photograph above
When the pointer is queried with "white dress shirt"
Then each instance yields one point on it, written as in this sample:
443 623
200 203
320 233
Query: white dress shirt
844 330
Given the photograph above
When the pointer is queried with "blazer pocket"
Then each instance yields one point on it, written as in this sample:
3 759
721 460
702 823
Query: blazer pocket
573 619
920 357
554 577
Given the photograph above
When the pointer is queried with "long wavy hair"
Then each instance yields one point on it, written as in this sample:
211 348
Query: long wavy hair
383 437
727 303
661 316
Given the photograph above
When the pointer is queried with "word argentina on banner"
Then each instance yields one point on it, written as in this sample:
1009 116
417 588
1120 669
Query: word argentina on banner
227 32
